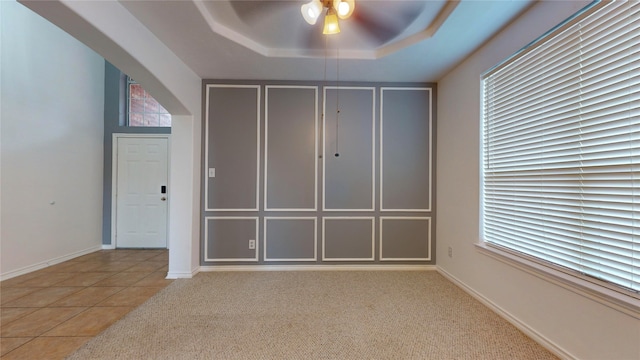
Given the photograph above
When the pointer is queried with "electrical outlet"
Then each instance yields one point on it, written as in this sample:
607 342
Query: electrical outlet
450 252
252 244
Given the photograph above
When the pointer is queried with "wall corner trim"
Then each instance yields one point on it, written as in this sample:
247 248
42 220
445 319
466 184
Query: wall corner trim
532 333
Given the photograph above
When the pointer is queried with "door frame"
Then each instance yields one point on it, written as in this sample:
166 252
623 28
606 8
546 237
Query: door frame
114 179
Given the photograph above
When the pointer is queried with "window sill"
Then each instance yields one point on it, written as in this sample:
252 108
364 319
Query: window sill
620 300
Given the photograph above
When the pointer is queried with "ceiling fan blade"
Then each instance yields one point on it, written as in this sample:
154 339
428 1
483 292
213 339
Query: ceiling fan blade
381 27
251 11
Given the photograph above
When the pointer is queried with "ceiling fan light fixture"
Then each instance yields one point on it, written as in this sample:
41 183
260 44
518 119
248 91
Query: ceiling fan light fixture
344 8
331 23
311 11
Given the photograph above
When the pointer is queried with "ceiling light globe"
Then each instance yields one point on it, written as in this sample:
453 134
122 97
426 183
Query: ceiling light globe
311 11
344 8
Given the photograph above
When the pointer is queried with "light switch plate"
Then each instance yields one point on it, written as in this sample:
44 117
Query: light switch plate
212 172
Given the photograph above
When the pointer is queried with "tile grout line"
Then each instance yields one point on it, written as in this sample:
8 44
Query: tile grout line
107 257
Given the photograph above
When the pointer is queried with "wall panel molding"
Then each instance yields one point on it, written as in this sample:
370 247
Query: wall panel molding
407 239
401 121
350 236
292 243
289 116
349 127
370 206
235 237
229 184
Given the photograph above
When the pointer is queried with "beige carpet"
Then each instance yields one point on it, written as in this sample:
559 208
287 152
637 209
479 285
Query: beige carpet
312 315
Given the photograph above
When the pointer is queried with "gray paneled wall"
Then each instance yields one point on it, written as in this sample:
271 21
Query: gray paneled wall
290 238
291 142
232 147
232 235
405 145
401 238
348 238
298 173
349 178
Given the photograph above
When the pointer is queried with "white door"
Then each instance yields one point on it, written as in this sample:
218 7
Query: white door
141 192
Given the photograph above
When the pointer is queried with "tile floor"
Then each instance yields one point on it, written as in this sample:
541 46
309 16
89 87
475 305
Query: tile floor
49 313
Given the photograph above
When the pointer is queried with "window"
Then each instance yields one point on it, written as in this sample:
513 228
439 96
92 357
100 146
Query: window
143 109
561 149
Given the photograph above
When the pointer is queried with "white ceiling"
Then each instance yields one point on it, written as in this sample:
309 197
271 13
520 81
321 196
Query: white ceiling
390 41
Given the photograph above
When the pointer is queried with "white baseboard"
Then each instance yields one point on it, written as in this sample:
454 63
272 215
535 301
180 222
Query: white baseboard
212 268
530 332
182 274
108 247
47 263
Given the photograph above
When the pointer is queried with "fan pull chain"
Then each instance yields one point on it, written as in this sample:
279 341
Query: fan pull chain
324 81
337 100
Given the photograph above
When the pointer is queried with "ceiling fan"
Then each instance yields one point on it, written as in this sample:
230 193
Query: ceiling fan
342 9
380 21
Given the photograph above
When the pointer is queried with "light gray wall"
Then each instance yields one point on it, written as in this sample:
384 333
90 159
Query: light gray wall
115 104
307 217
51 143
575 326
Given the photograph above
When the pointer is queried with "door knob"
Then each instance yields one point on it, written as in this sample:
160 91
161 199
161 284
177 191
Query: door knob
163 198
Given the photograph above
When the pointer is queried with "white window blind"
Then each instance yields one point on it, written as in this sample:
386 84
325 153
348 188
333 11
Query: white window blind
561 147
